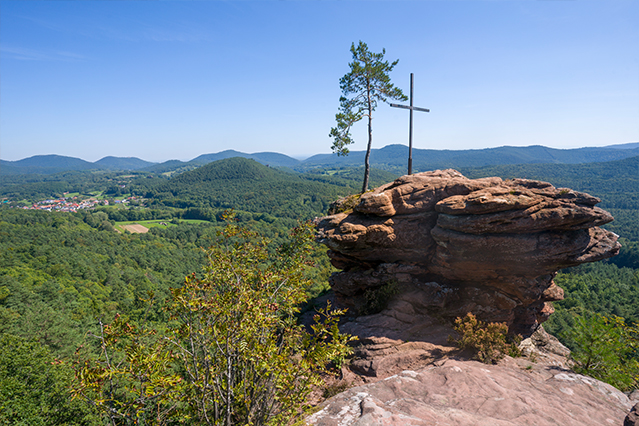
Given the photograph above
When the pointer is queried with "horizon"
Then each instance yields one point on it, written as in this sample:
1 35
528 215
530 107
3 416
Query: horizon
312 155
152 79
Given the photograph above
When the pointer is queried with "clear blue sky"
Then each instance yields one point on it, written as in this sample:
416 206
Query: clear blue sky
166 80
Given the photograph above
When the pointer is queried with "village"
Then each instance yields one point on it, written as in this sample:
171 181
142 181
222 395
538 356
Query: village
73 204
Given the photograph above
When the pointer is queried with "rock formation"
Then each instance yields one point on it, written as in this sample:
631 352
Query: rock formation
450 245
632 419
406 372
452 392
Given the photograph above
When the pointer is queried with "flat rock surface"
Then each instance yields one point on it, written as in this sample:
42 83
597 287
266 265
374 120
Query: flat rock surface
454 392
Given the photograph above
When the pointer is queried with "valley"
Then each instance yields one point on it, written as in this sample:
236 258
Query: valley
66 268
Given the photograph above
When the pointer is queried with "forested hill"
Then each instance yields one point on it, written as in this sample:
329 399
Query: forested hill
45 164
231 169
120 163
267 158
246 185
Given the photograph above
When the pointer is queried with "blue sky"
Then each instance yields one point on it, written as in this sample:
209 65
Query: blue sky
164 80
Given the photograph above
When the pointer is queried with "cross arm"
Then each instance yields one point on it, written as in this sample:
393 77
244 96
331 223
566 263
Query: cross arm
410 107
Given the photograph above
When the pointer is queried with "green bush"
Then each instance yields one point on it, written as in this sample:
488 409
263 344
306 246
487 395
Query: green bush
233 352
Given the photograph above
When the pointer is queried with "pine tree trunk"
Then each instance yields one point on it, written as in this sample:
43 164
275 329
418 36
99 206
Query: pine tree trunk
367 166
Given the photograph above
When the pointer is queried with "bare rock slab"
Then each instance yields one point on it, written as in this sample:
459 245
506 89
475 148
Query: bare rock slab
468 393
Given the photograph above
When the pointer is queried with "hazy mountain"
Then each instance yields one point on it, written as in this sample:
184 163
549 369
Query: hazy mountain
122 163
392 158
630 145
171 165
45 164
395 157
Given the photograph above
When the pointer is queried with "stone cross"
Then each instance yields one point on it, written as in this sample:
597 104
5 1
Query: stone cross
410 124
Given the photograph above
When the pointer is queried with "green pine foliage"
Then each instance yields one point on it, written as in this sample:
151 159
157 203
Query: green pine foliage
366 84
606 348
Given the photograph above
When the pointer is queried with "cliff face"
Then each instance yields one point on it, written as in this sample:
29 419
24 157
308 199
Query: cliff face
457 245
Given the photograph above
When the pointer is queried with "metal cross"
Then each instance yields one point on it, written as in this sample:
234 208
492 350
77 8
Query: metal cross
410 124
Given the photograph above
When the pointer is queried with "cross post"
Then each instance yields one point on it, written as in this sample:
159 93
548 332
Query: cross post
410 124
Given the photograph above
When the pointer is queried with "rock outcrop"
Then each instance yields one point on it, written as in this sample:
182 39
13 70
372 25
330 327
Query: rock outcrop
405 371
452 245
453 392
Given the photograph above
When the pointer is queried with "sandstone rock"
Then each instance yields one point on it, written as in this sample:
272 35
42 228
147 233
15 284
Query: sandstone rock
632 419
458 245
467 393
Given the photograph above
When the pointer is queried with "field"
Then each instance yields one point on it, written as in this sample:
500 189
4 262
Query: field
143 226
135 228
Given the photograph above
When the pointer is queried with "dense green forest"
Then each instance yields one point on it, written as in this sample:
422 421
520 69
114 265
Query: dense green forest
60 273
63 273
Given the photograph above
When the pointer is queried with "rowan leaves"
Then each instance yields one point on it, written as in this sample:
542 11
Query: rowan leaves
232 353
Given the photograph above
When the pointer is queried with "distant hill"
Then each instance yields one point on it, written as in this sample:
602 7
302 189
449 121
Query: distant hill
272 159
392 158
395 157
631 145
45 164
235 168
171 166
122 163
50 164
244 184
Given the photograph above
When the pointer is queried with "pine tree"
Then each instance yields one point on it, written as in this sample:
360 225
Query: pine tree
367 83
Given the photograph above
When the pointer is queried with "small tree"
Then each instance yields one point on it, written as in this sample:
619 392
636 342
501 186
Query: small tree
233 353
366 84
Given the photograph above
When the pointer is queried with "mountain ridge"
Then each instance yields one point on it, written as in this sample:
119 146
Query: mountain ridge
390 157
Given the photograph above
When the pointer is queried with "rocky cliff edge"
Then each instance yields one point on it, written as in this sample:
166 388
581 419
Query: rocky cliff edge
457 245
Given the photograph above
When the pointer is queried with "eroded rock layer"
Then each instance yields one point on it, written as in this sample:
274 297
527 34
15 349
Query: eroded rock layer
487 246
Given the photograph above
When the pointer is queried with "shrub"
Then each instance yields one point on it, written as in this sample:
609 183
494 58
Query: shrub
233 352
377 299
488 342
344 204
